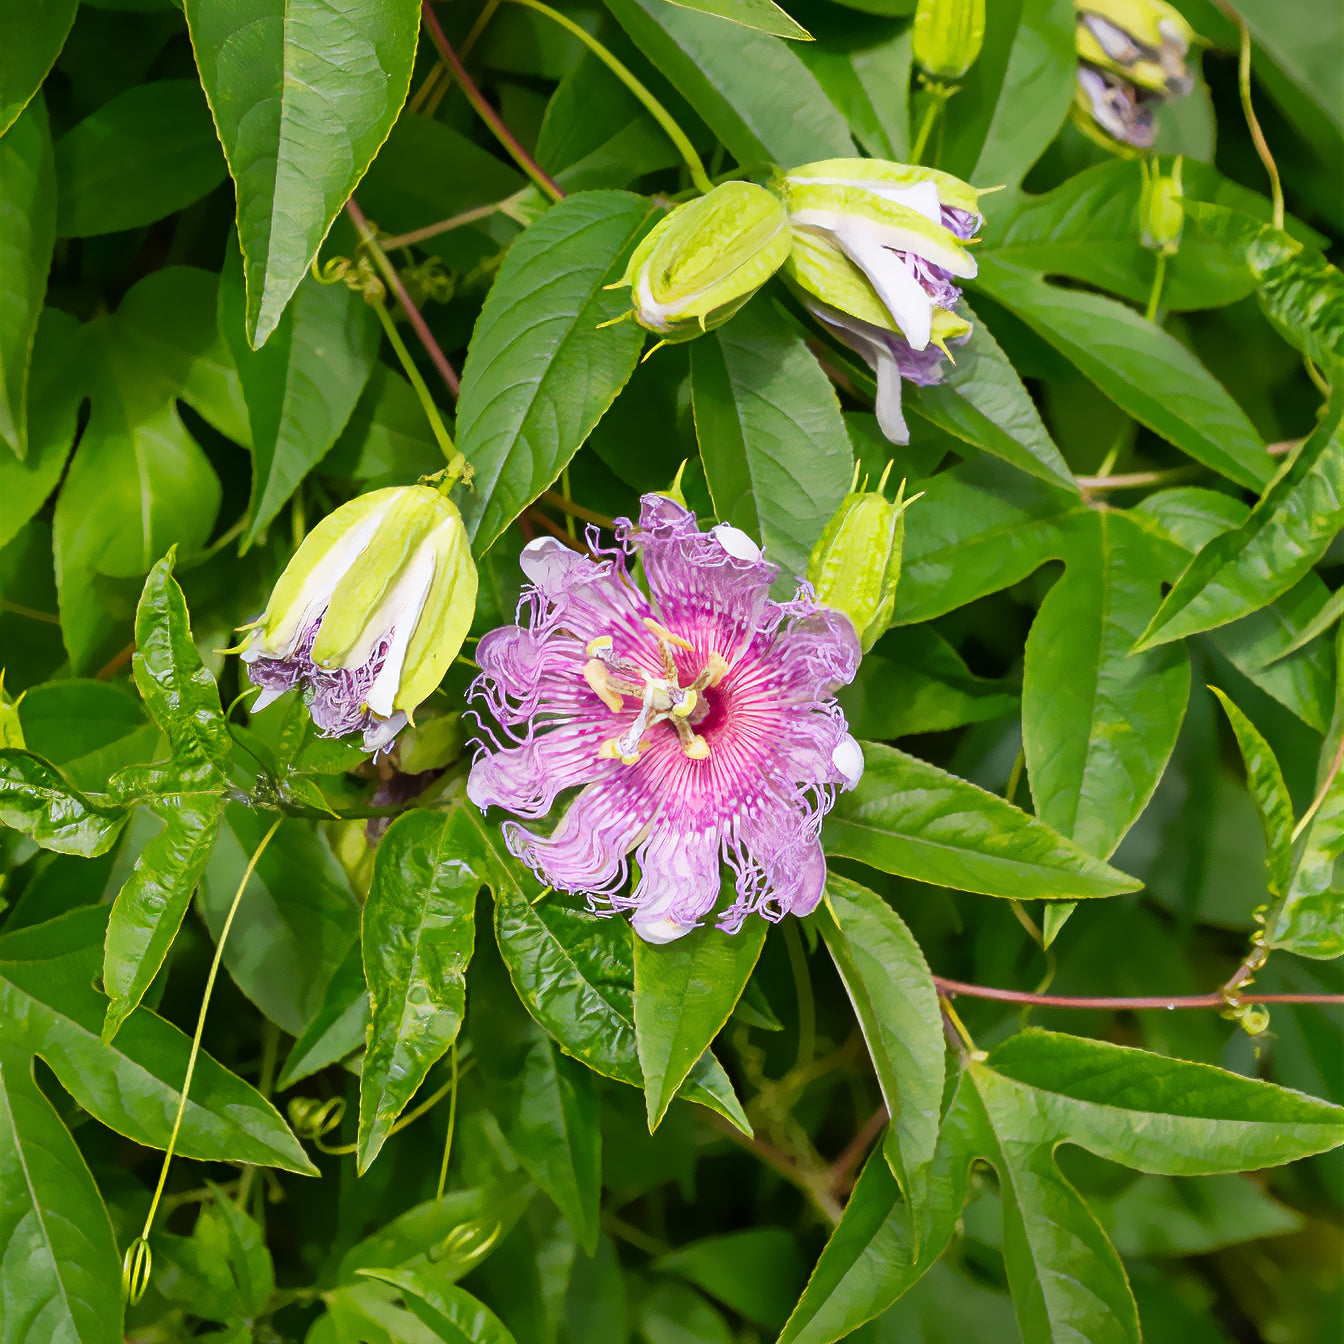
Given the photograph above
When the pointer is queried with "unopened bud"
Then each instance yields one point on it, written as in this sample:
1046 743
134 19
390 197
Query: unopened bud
702 262
369 613
856 565
1161 212
948 36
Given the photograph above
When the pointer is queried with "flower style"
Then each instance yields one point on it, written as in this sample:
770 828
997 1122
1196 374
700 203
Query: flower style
877 251
699 724
1131 59
368 614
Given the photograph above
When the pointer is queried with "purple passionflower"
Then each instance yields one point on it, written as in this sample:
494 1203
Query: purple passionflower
698 722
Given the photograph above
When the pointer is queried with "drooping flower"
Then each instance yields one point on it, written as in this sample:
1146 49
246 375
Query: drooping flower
368 614
1131 57
877 251
698 723
705 259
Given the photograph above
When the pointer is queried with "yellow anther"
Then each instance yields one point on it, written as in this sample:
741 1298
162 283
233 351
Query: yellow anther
610 750
697 749
595 674
716 668
687 707
598 645
662 632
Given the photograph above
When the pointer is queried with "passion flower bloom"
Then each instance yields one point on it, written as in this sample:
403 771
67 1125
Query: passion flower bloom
698 723
1131 59
368 614
877 251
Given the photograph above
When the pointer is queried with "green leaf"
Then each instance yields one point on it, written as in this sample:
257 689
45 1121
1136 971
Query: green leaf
1146 372
684 993
451 1312
888 982
979 528
752 89
338 1028
230 1241
53 392
177 688
922 687
674 1313
417 933
762 16
574 972
1286 533
982 401
772 440
303 94
1087 229
31 36
866 74
539 373
1099 725
1016 95
1311 919
757 1273
47 973
1264 779
37 802
147 153
913 819
302 388
27 237
61 1276
1151 1112
149 909
297 919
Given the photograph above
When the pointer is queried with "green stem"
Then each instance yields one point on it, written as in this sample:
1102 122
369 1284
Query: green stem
938 96
1155 294
655 109
456 462
136 1266
452 1124
802 986
1252 121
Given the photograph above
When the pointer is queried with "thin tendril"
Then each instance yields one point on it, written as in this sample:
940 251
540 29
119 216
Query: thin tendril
802 985
452 1124
1252 121
137 1262
655 109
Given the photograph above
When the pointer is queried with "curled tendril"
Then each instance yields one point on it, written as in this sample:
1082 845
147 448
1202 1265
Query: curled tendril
359 275
135 1270
313 1119
467 1243
428 280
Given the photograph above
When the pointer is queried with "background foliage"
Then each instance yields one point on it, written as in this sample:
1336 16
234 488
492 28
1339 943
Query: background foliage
180 398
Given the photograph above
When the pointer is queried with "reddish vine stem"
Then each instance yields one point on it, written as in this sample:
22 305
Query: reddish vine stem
1215 1000
487 114
413 315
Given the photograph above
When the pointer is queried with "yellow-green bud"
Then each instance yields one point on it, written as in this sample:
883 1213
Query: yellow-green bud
386 584
856 565
948 36
1161 212
702 262
1144 41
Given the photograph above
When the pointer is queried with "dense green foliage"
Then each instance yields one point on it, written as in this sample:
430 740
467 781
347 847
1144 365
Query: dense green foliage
436 1102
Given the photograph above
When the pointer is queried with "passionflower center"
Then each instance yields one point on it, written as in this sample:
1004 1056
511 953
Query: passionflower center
660 699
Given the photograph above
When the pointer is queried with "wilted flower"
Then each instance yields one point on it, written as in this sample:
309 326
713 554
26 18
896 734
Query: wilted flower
369 613
1131 59
698 722
948 35
877 250
856 563
705 259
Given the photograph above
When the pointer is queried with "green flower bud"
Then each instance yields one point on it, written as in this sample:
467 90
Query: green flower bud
855 566
1161 213
948 36
706 258
369 613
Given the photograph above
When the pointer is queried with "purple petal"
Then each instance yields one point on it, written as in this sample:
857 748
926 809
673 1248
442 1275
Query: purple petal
678 882
528 778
